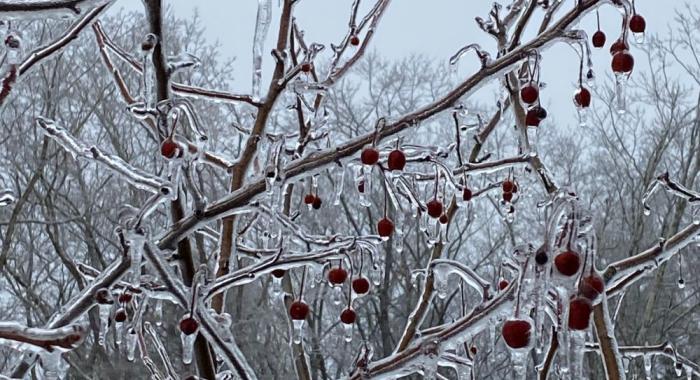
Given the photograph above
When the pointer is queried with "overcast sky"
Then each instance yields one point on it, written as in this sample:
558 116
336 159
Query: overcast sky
435 28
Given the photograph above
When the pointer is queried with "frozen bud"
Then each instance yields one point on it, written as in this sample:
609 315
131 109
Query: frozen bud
149 42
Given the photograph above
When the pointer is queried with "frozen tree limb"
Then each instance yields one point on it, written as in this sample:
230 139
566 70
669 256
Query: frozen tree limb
47 8
37 340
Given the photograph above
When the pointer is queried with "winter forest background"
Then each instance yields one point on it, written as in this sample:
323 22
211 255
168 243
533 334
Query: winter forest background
124 153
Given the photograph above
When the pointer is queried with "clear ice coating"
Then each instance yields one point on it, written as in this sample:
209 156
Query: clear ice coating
262 25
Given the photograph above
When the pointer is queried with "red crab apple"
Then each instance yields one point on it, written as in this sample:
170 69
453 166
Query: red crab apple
618 46
316 204
120 315
567 263
396 160
502 284
516 333
579 313
306 67
348 316
299 310
444 219
309 199
385 227
529 93
125 297
622 62
507 186
582 97
534 116
434 208
598 39
541 256
169 148
369 156
467 194
473 350
337 276
591 286
507 197
354 40
638 24
360 285
188 326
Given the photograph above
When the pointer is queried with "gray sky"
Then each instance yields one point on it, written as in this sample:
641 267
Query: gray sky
435 28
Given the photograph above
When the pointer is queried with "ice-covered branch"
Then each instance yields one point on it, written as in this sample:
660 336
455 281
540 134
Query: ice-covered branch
672 187
681 363
23 338
38 9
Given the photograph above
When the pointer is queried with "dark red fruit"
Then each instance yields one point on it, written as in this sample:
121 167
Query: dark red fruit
618 46
534 116
591 286
369 156
472 349
579 313
598 39
638 24
348 316
103 297
337 276
507 197
169 148
120 315
397 160
316 203
360 285
306 67
529 93
582 97
541 256
434 208
361 187
188 326
278 273
467 195
502 284
309 199
516 333
443 219
299 310
507 186
125 297
354 40
385 227
567 263
622 62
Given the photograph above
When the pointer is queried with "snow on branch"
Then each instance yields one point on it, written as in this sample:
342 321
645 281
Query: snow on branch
38 9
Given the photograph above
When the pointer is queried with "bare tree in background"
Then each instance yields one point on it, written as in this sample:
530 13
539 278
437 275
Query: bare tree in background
353 217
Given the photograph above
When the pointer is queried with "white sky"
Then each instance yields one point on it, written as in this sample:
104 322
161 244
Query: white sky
435 28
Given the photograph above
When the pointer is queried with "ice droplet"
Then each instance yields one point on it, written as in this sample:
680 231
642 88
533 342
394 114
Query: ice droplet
187 346
158 312
298 330
347 331
131 338
104 311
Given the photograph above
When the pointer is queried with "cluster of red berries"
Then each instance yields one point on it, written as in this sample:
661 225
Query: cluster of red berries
509 188
622 60
171 148
395 161
530 95
581 306
313 200
124 298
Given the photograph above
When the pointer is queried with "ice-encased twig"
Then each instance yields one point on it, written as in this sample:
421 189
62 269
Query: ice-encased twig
224 345
672 187
44 9
262 25
37 340
160 349
6 197
467 274
137 177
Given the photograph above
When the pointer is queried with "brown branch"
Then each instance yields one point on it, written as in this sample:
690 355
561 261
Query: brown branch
38 339
42 9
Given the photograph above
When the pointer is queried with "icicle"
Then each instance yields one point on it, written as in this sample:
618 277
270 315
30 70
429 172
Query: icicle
298 330
678 367
577 342
376 275
532 139
347 331
339 183
104 311
158 312
337 295
51 364
276 288
147 47
13 47
187 346
136 241
262 25
519 360
620 92
647 366
440 275
131 338
689 372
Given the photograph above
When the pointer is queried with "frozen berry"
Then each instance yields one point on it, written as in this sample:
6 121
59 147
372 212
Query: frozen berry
443 219
337 276
103 296
507 186
567 263
316 204
360 285
529 93
348 316
618 46
397 160
125 297
278 273
622 62
306 67
434 208
516 333
361 187
579 313
354 40
467 195
638 24
188 326
507 197
299 310
582 98
169 148
541 256
385 227
598 39
120 315
309 199
591 286
369 156
502 284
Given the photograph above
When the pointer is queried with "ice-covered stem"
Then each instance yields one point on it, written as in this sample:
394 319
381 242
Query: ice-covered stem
242 194
160 349
47 51
23 338
404 362
467 274
42 9
546 365
609 351
672 187
664 349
